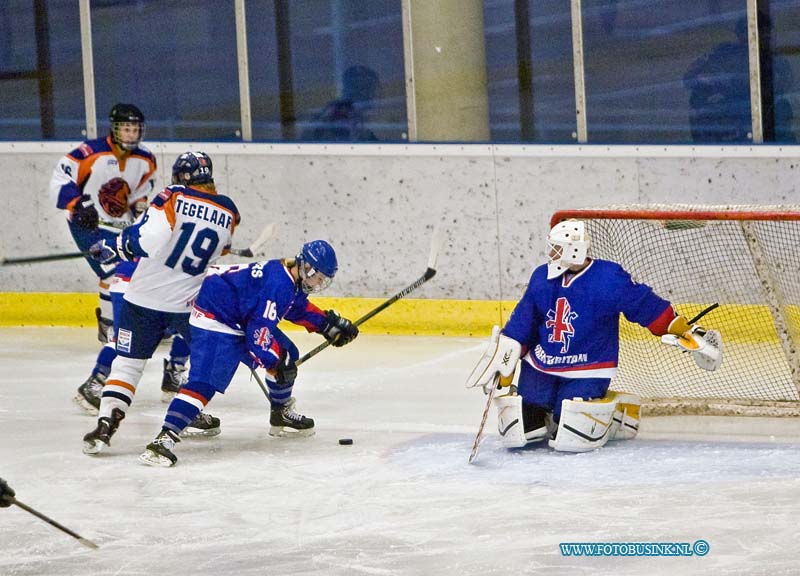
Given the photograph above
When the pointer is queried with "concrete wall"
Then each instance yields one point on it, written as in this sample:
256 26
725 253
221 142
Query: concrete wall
378 204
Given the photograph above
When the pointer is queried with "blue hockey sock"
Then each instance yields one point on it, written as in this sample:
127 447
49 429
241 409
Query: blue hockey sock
104 360
186 405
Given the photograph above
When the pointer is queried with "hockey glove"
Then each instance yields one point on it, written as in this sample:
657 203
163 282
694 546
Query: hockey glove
113 197
338 331
84 214
103 253
285 369
6 494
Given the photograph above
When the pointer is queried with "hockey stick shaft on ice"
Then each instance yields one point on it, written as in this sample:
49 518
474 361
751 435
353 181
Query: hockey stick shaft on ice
78 537
248 252
479 436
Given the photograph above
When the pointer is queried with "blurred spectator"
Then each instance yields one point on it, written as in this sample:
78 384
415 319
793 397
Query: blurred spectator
343 119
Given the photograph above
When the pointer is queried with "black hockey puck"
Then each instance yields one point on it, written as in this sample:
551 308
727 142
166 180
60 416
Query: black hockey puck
345 441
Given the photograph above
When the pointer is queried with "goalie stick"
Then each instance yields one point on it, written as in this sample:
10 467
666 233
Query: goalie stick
479 436
86 542
248 252
436 242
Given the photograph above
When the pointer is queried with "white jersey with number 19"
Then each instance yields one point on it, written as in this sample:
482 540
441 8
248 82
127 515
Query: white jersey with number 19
183 232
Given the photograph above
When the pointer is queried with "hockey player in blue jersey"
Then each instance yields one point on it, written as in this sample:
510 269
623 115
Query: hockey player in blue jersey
235 319
186 227
566 330
103 186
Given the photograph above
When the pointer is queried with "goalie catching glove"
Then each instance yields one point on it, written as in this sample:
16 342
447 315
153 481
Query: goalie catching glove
501 357
705 346
338 331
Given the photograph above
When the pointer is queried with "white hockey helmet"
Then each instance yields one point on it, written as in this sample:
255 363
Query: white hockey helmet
567 245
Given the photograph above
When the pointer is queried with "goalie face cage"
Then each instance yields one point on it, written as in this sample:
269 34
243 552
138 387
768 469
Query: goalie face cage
744 257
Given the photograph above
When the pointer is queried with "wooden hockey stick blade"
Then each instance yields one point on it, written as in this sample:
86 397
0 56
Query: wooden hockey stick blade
48 258
252 250
430 272
704 312
86 542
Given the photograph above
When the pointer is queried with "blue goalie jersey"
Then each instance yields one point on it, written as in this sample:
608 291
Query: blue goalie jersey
569 325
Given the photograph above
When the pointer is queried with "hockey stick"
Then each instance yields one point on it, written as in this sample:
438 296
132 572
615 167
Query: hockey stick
248 252
436 243
430 272
479 435
86 542
704 312
48 258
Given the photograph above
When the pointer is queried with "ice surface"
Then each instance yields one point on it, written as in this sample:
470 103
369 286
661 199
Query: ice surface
401 500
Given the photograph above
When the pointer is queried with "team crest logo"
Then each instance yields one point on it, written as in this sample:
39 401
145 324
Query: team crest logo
262 338
560 322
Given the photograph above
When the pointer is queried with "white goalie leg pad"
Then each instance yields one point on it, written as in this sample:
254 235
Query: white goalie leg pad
705 347
626 415
501 355
509 420
584 425
511 425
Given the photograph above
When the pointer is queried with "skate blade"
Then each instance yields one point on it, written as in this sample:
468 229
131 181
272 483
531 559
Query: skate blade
94 447
84 405
166 397
286 432
200 432
150 458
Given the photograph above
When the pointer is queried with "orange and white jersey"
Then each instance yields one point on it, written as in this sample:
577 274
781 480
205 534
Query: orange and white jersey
94 164
182 233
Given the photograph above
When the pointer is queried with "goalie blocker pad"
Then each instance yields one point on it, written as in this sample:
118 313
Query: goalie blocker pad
705 347
501 356
588 425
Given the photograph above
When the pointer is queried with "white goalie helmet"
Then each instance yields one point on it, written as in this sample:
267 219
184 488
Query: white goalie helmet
567 245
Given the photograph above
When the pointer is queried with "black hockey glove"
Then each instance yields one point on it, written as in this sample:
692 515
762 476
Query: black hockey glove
6 494
338 331
285 370
84 214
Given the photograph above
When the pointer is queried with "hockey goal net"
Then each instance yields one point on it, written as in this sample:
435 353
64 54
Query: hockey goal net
746 258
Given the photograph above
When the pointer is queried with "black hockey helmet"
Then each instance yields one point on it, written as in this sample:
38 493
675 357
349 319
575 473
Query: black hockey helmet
193 168
126 114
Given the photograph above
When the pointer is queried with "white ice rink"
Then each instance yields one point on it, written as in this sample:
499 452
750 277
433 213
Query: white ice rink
401 500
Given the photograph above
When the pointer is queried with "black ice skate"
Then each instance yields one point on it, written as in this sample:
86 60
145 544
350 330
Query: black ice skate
203 425
159 451
284 421
89 393
175 376
99 438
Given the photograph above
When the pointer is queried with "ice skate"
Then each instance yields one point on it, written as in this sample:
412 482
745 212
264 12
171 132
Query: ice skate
284 421
89 393
99 438
204 425
159 451
175 376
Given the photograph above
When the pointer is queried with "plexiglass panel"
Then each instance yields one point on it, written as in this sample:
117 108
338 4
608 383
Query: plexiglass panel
670 71
529 65
41 81
175 60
